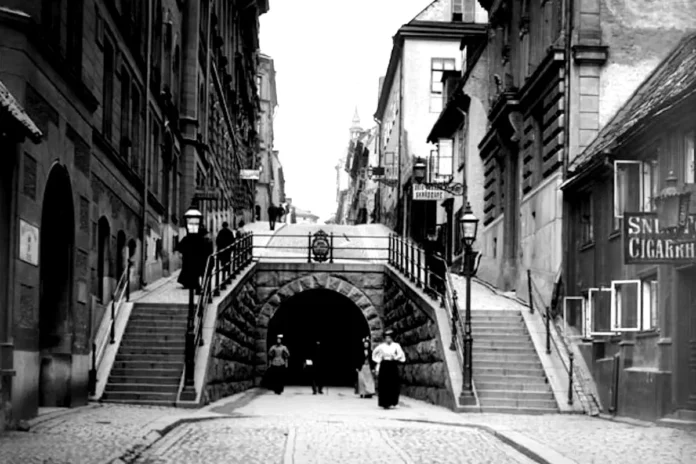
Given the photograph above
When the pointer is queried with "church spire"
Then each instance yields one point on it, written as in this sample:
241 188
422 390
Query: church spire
356 118
355 128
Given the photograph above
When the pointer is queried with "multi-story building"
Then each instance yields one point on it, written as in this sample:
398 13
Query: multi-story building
268 95
143 107
630 282
558 72
410 101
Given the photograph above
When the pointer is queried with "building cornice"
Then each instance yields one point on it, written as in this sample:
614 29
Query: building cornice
537 83
590 54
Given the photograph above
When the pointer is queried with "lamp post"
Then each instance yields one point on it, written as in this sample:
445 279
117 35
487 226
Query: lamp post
468 226
193 218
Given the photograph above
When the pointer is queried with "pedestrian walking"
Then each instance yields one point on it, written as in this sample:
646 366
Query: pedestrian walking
190 247
272 213
387 356
313 369
280 213
364 368
278 357
223 241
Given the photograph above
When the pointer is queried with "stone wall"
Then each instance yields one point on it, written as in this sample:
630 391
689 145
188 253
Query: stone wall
424 375
231 364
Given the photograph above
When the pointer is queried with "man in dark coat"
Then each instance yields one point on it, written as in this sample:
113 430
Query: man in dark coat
224 239
313 367
272 212
190 248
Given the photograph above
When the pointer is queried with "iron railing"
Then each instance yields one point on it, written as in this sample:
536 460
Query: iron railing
106 334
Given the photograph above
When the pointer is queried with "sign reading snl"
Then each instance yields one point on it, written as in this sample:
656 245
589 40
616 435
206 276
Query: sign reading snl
645 243
421 192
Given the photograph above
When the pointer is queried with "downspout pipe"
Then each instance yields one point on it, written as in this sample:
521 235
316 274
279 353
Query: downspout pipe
565 230
401 135
378 218
146 177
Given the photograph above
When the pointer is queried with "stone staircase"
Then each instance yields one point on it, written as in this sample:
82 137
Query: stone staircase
150 359
508 375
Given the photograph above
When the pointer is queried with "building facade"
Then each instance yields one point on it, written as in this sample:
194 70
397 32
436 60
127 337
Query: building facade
143 108
558 71
410 101
266 185
630 301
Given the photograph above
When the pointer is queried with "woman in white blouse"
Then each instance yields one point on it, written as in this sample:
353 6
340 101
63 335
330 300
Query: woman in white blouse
387 356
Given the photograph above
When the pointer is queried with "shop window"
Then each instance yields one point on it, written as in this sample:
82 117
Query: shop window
626 305
650 303
635 186
598 314
574 317
688 155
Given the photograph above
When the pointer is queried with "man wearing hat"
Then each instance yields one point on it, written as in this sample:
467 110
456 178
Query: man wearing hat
278 357
312 367
387 356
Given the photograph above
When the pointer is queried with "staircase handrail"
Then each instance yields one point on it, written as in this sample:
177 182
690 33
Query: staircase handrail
451 304
106 334
559 342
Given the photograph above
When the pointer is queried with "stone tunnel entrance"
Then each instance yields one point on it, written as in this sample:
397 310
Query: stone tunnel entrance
325 316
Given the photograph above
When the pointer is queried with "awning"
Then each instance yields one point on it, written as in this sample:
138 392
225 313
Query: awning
9 105
450 119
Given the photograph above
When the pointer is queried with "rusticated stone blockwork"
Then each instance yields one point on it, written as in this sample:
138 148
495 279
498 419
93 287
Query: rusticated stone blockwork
424 375
231 365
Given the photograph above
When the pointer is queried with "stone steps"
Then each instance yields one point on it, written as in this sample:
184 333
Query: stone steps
150 361
508 374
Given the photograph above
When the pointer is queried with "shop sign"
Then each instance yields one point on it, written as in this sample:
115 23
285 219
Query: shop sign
250 174
423 193
645 243
28 243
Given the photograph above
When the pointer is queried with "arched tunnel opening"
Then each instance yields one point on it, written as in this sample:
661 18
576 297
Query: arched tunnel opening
325 316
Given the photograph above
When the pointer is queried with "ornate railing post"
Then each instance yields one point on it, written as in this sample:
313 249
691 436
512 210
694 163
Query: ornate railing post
571 357
453 344
190 343
216 291
112 334
130 263
331 248
309 247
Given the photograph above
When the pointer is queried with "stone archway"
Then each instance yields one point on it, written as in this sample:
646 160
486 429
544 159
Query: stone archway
56 245
304 284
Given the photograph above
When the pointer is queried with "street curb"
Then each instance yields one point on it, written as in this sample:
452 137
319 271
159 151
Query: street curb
532 449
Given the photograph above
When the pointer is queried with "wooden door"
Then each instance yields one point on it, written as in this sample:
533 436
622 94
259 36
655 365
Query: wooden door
686 343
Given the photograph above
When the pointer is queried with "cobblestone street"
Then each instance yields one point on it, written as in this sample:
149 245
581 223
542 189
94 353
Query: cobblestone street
300 428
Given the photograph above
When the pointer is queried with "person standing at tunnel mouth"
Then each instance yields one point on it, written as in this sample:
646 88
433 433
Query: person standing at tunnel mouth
278 357
312 367
364 368
387 356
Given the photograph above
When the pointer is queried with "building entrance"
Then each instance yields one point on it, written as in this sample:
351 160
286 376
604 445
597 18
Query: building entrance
56 244
686 350
330 318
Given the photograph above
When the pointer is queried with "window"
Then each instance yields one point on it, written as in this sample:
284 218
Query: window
626 305
155 154
108 90
462 142
432 165
135 130
457 10
586 220
73 52
635 186
537 162
574 317
444 158
689 166
598 314
650 303
125 112
438 66
259 83
51 19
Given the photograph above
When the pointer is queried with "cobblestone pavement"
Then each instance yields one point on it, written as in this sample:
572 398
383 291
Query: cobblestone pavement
298 427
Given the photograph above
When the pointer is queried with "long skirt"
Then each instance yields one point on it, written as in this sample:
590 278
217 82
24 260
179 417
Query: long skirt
366 382
275 379
389 384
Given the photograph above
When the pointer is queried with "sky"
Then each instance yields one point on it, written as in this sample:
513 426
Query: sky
328 61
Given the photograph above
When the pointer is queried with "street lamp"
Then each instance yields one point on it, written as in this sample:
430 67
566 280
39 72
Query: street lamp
468 226
419 171
672 205
193 218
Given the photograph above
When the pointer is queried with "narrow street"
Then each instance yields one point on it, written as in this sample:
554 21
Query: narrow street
338 427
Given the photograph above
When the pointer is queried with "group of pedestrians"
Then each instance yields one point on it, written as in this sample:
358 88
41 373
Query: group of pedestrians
382 363
275 214
195 250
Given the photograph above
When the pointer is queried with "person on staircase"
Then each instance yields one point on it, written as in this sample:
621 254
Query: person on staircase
272 213
312 366
223 241
388 355
190 247
278 357
365 367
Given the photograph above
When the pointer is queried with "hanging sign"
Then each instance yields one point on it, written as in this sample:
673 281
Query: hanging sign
249 174
422 193
645 243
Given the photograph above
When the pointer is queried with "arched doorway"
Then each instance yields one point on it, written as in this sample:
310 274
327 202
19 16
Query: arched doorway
57 238
121 253
103 236
328 317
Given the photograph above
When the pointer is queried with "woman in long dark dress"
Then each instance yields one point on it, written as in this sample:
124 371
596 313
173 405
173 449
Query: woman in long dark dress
388 355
